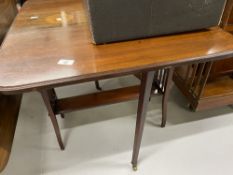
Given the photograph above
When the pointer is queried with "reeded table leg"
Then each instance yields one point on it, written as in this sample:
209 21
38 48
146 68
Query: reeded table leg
49 97
168 87
144 96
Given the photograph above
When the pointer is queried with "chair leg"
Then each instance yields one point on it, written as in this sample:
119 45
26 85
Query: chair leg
144 96
97 85
49 98
168 87
62 115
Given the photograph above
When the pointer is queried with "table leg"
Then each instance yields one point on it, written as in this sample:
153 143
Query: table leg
97 85
62 115
49 97
54 98
168 87
144 96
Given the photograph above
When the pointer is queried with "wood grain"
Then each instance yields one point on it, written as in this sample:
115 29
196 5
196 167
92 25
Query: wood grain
33 48
9 109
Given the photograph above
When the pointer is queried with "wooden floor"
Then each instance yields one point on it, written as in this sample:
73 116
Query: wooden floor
9 109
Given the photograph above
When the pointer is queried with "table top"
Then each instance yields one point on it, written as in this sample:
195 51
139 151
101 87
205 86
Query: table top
49 45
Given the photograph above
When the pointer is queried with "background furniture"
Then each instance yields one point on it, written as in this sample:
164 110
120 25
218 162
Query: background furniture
9 105
227 17
9 109
209 85
8 11
224 67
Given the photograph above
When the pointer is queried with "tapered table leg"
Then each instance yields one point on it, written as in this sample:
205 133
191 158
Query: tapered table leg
53 95
144 96
168 87
49 100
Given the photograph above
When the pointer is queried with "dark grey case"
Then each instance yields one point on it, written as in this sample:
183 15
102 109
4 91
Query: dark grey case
118 20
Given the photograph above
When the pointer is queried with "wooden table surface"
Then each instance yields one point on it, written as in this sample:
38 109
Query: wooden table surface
44 33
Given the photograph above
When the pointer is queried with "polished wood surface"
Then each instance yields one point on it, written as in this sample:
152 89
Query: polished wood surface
9 109
44 33
8 12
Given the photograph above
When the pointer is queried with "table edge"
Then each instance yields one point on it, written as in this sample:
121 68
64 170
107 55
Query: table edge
110 74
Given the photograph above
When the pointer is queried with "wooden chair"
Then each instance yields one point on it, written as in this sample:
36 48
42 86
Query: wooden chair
9 116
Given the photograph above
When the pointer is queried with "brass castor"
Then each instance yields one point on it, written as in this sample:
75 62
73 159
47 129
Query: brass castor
135 168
